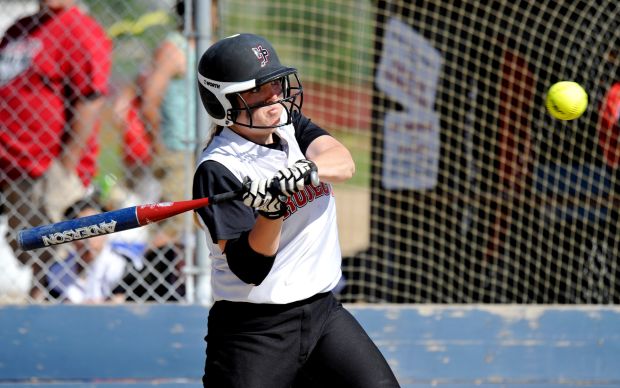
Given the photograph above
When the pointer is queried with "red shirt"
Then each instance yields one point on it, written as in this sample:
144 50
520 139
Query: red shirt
609 126
47 62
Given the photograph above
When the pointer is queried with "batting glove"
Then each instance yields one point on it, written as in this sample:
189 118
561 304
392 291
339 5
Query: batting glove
259 197
293 179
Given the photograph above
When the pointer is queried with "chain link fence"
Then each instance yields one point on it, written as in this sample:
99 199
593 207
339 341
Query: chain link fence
466 190
137 159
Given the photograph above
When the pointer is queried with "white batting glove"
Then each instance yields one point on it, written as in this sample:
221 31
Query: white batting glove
259 197
293 179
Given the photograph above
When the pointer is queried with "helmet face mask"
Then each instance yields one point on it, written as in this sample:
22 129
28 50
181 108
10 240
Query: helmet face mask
239 64
291 100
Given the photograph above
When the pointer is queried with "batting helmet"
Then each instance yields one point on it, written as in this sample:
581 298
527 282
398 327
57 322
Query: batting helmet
240 63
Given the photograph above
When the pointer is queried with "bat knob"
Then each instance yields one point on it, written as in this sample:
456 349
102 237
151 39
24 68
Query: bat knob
313 178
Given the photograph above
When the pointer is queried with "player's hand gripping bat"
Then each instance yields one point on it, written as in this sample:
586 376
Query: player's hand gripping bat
124 219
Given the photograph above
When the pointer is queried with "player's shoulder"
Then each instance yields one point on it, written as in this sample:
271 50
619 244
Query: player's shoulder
302 123
306 131
298 119
83 25
212 167
212 177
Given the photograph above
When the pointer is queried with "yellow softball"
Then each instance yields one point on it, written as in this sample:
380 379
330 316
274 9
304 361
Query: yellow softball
566 100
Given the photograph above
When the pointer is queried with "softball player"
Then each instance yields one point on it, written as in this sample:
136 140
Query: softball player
275 258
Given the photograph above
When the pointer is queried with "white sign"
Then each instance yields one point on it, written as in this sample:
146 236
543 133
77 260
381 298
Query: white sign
408 73
411 151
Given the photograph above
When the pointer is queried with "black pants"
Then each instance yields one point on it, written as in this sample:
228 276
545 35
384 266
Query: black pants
311 343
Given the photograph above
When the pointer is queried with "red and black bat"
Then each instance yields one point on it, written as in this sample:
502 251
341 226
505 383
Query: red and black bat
122 219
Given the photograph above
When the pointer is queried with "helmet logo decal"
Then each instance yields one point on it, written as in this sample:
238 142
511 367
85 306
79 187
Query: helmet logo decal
262 54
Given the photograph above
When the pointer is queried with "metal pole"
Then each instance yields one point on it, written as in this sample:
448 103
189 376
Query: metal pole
203 123
189 238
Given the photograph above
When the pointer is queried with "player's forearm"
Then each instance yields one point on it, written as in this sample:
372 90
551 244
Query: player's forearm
265 236
332 158
151 115
335 164
154 87
251 256
85 116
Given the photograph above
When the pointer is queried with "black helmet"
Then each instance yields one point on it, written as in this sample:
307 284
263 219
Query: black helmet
239 63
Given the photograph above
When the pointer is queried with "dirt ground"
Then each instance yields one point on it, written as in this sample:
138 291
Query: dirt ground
353 206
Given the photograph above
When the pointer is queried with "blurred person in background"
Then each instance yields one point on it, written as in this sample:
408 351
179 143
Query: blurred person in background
157 115
54 70
168 106
93 270
609 114
609 137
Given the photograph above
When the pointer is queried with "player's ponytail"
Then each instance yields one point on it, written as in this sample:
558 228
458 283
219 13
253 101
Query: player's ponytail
214 131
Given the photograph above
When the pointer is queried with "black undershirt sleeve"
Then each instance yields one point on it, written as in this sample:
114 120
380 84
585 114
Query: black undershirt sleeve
231 221
226 220
306 131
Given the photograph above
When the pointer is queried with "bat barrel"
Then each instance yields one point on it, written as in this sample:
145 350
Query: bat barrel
77 229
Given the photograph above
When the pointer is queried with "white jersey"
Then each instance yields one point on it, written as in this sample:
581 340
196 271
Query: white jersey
308 260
